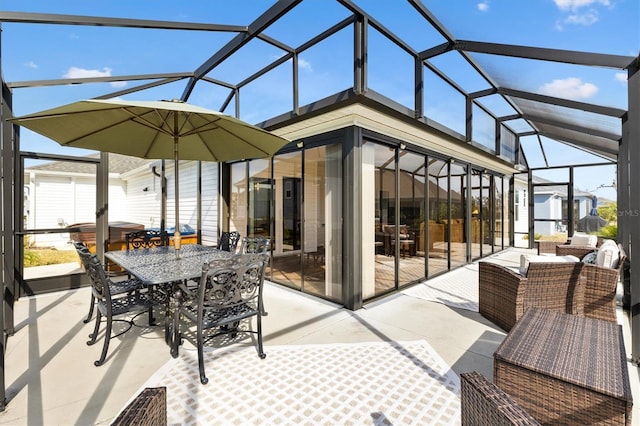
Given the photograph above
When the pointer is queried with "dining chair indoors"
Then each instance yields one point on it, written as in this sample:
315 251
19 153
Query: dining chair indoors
112 305
116 287
229 296
229 241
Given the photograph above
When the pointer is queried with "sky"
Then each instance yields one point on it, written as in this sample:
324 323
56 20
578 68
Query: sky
43 52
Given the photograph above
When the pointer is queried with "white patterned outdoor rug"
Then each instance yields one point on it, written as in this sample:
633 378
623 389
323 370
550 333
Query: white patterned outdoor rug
381 383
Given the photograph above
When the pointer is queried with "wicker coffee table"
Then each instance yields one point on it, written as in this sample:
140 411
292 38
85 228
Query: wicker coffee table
566 369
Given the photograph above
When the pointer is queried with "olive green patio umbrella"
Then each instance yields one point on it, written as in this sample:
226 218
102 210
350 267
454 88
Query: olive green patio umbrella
153 129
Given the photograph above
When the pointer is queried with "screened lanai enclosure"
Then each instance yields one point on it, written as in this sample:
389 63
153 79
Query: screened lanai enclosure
393 174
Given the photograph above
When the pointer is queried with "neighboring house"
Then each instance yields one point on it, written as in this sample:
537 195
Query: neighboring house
55 194
550 207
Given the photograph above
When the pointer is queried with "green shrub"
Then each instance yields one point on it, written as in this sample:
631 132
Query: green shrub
609 231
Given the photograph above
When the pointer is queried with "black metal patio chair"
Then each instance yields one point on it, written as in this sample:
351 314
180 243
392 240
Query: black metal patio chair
255 245
114 305
229 296
116 287
146 238
149 238
229 241
260 245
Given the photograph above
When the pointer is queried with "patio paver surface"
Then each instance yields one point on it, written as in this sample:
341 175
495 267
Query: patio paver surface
51 379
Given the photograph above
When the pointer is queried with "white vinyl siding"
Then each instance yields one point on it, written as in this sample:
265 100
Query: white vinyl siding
209 203
54 200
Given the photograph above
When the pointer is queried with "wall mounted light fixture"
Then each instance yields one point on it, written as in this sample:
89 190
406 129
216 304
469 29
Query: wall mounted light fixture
300 144
403 146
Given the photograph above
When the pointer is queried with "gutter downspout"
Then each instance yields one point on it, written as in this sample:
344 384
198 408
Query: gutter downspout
163 192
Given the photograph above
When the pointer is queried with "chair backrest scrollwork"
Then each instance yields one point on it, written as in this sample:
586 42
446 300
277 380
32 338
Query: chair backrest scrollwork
261 245
97 275
146 238
233 281
229 241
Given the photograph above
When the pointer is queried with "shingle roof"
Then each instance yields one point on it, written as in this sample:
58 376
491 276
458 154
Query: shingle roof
117 164
559 189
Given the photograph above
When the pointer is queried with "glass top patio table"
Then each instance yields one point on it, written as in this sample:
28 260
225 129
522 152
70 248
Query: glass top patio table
159 265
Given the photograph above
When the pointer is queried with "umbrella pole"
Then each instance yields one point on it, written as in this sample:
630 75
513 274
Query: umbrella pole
176 234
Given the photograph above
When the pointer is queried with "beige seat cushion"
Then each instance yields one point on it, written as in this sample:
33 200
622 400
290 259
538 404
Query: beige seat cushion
526 259
581 239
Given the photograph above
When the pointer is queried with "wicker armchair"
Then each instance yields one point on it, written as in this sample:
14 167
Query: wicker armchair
149 408
600 285
504 294
483 403
548 246
577 251
566 248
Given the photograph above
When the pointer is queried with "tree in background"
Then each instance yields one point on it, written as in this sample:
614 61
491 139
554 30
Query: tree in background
609 212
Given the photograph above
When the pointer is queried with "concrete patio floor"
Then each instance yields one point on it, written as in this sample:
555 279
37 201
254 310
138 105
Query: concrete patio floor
51 379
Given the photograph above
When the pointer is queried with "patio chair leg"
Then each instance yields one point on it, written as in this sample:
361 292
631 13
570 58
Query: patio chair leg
105 347
167 326
96 328
91 306
200 340
261 353
176 340
152 320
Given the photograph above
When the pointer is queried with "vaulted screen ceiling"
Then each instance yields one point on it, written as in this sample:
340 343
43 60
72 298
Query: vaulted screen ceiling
500 85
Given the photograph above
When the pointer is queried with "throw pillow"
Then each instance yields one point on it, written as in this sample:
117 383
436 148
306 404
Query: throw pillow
590 257
609 242
608 256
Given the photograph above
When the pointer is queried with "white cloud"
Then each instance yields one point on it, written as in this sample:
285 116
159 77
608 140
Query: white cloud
305 65
31 64
571 88
585 19
581 12
577 4
483 6
75 72
621 77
